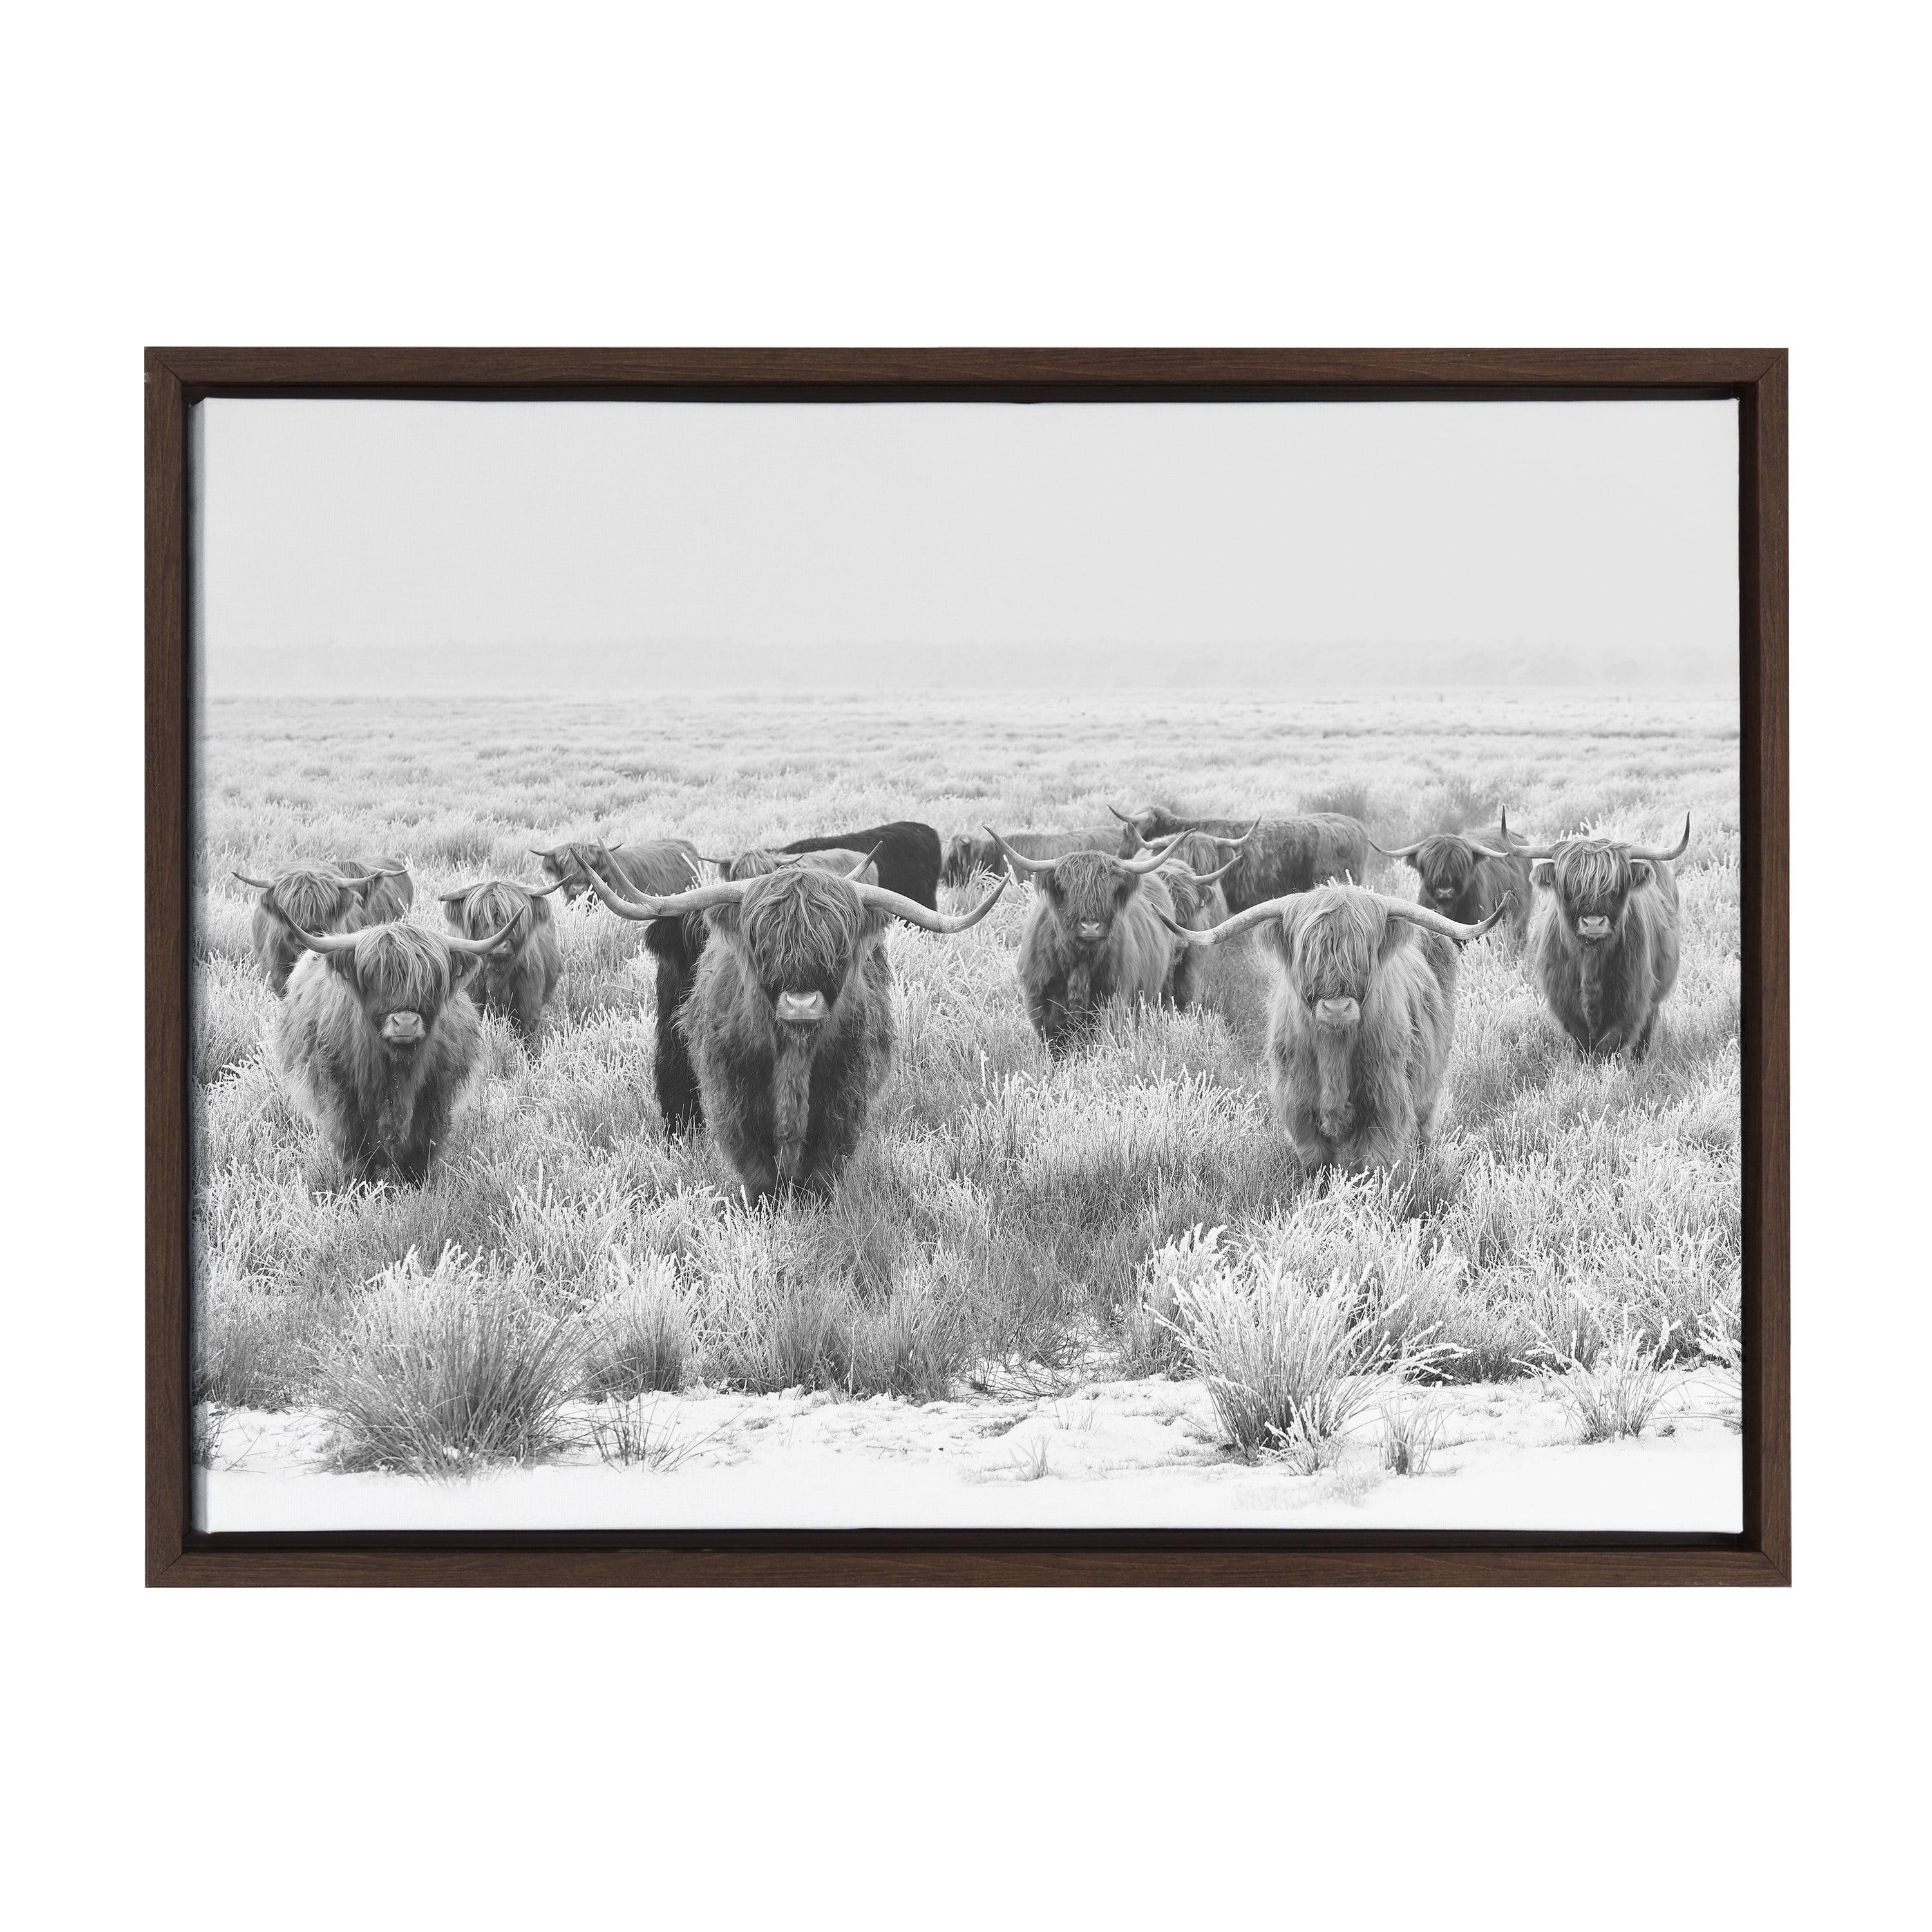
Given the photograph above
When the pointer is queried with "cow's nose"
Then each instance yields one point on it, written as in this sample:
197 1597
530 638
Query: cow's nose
402 1029
802 1007
1091 929
1337 1012
1594 927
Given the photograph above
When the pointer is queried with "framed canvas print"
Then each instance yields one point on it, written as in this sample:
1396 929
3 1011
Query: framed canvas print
933 966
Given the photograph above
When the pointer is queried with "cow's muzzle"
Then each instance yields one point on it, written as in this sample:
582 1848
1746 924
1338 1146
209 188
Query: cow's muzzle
802 1009
1090 932
1595 928
1336 1015
404 1029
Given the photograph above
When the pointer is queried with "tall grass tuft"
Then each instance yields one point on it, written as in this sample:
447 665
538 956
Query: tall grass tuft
1612 1375
1150 1337
1292 1362
640 1338
441 1371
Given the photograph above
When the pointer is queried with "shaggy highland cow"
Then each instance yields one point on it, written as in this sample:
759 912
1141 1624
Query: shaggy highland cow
657 868
1099 931
966 854
306 898
790 1026
905 853
517 978
391 891
1359 1027
1604 940
1464 880
1282 855
379 1040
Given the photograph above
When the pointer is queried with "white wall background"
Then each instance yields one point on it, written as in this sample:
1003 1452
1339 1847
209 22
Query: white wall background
1119 174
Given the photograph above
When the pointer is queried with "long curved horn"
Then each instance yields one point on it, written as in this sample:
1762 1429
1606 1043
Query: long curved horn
880 900
1124 819
1677 851
1432 921
463 892
1021 859
326 942
456 945
1399 851
1245 836
720 891
858 871
1233 927
540 891
259 885
544 851
1153 857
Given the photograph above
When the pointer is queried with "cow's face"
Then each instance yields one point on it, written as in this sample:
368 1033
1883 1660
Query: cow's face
1333 940
800 930
1593 879
1088 891
1149 822
1446 867
570 863
317 899
478 911
403 977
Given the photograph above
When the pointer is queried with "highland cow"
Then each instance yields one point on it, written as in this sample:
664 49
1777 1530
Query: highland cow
1603 942
391 892
968 854
1464 880
1278 856
517 978
1360 1025
305 898
379 1040
658 867
789 1027
906 853
1099 932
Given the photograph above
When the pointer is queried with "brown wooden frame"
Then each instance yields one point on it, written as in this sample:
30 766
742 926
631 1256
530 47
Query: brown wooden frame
176 378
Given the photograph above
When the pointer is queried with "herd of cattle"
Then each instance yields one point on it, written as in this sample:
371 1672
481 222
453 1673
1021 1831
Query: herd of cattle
774 1019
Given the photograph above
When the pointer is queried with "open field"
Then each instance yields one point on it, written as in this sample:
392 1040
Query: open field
1011 1234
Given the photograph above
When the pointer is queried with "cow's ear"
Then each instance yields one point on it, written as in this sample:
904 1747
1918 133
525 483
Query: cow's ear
1395 936
463 967
343 964
1641 872
452 910
1543 874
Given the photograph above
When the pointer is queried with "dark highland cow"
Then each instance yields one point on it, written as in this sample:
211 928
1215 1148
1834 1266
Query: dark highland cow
1359 1027
966 854
1099 931
517 978
379 1040
1603 942
656 868
1464 880
391 891
905 853
1282 855
306 898
790 1029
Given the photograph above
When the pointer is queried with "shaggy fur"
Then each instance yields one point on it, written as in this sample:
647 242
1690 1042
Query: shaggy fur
1356 1087
385 1107
1283 855
1067 977
1464 884
316 898
1605 993
388 896
517 979
655 869
788 1100
1195 906
970 854
907 859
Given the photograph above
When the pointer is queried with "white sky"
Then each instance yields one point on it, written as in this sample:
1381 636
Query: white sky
1590 526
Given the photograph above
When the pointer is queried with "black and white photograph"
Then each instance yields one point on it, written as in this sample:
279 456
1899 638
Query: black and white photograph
818 965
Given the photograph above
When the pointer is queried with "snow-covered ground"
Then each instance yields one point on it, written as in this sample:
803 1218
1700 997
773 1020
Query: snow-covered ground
1139 1454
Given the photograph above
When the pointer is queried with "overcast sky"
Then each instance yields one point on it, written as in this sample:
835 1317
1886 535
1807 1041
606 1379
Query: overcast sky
1592 526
